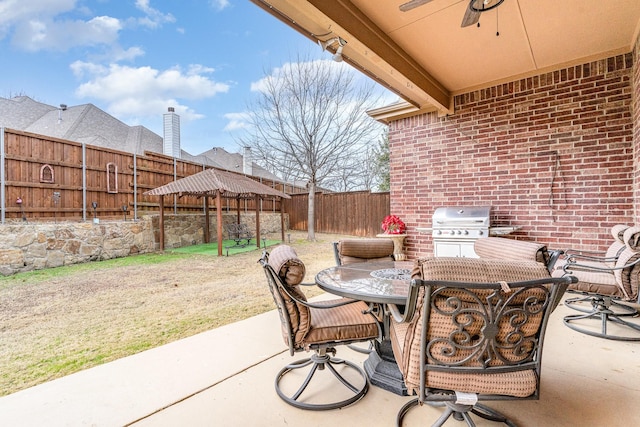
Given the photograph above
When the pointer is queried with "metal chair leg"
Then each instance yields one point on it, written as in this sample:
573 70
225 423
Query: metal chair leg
458 411
604 310
320 362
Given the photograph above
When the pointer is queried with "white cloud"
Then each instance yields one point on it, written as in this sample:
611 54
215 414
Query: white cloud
45 34
278 73
236 121
145 91
13 11
119 54
219 4
43 25
154 18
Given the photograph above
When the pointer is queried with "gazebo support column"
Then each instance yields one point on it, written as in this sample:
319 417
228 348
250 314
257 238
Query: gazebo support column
219 216
282 219
257 220
161 223
206 219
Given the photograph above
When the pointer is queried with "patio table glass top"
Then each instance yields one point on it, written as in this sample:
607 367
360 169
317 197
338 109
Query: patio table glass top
384 282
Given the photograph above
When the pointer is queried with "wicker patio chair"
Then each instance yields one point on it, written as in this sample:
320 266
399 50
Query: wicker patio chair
319 327
472 331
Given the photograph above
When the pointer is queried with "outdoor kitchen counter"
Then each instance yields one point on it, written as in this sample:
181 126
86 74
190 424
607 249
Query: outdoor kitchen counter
493 231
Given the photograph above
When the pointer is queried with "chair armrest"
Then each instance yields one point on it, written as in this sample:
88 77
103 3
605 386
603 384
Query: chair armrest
396 313
589 256
554 255
336 253
572 264
312 305
406 315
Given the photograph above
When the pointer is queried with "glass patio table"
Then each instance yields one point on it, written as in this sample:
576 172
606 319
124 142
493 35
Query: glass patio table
378 283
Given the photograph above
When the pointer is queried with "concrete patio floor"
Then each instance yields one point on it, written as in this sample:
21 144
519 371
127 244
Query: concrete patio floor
224 377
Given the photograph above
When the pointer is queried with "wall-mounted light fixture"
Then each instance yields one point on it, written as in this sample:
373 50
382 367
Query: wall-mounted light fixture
337 56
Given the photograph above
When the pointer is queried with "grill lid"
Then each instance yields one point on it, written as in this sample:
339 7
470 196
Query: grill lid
457 216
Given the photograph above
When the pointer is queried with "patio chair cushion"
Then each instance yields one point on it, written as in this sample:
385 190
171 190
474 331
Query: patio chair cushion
405 337
509 249
365 250
617 231
345 322
631 238
291 270
628 277
613 252
284 260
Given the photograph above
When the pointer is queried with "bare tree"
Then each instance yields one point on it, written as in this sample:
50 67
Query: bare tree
309 122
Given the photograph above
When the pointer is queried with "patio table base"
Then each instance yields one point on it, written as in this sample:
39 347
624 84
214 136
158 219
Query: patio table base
382 370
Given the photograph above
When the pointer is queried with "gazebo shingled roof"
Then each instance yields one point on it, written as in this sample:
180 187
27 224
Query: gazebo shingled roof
217 183
211 181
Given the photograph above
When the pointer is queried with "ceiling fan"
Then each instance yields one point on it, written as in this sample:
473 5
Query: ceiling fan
471 15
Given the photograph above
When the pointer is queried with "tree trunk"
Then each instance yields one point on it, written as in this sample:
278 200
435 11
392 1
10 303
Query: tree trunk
311 211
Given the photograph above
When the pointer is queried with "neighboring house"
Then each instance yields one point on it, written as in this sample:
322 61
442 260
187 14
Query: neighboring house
90 125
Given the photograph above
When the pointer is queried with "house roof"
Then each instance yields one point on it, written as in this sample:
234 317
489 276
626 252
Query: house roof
210 182
84 123
235 161
424 55
90 125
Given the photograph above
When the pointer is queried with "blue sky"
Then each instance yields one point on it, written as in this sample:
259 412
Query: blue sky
135 58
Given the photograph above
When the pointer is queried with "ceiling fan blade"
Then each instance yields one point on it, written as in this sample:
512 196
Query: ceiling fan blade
412 4
471 16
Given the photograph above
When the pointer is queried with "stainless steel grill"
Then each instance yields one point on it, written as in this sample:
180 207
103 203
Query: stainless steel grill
456 228
461 222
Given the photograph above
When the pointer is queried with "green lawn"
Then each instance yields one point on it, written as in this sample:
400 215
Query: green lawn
229 248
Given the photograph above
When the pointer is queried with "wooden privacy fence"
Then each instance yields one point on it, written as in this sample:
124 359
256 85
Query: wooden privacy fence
44 178
358 213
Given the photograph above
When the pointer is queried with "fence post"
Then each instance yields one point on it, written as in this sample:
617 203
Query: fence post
2 177
135 187
84 182
175 178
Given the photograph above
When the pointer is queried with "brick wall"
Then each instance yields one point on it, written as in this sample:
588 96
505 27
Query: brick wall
553 154
636 128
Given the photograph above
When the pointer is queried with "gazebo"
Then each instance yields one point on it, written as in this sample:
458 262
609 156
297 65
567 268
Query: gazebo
218 183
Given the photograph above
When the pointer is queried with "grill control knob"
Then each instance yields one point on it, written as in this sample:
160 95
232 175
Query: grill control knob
438 232
480 232
452 232
459 232
465 232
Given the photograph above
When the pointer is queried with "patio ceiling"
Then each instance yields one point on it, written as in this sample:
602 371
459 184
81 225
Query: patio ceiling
425 56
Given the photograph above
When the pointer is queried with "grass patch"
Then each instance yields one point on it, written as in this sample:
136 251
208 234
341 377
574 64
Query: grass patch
229 247
37 276
58 321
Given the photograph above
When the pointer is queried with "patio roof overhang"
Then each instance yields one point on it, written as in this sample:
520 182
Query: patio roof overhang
219 184
426 57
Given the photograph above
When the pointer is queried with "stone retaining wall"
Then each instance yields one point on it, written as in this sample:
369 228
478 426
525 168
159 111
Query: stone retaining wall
34 246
